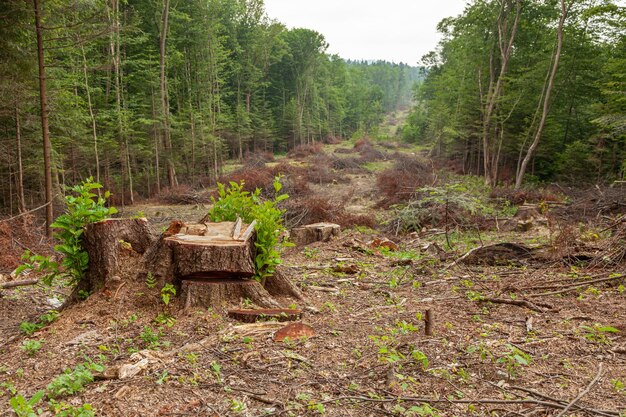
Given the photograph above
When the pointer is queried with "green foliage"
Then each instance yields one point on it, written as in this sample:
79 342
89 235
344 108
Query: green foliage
82 208
49 317
26 408
598 333
62 409
31 347
234 202
167 292
150 336
514 359
72 381
150 280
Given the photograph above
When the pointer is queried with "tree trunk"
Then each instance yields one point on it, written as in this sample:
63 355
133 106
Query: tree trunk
47 146
546 98
494 92
167 140
91 115
19 182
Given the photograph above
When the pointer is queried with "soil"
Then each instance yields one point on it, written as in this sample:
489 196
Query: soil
370 355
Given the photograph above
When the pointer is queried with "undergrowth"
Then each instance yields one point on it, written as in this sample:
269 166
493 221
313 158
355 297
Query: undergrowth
235 202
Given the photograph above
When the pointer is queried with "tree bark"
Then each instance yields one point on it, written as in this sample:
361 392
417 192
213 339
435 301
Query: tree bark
45 132
546 98
494 92
94 131
104 242
167 140
19 183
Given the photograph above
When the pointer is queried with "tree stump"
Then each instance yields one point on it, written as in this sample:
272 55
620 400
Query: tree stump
221 292
104 242
210 263
317 232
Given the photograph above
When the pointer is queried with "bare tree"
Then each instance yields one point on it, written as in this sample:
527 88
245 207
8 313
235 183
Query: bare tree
506 38
546 96
47 147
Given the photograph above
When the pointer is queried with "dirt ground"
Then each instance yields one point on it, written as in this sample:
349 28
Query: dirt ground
519 338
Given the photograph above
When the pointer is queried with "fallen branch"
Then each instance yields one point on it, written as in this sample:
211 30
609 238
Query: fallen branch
583 392
26 212
573 287
520 303
22 283
548 404
541 395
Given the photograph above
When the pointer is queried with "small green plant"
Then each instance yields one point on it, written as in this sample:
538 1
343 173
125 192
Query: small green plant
150 280
26 408
163 378
31 347
514 359
150 336
310 252
598 333
167 292
618 385
72 381
422 410
49 317
235 202
237 406
62 409
166 319
29 328
216 368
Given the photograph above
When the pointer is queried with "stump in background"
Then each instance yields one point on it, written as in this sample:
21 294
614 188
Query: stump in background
317 232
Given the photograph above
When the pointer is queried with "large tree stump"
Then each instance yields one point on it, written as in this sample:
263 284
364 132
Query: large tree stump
210 263
317 232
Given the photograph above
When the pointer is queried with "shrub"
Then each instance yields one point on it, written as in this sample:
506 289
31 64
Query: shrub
181 194
317 209
302 151
399 184
235 202
82 208
72 381
251 178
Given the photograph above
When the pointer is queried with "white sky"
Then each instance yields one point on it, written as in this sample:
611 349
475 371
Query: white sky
393 30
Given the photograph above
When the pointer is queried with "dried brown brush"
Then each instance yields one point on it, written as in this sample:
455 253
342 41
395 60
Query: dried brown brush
303 151
399 184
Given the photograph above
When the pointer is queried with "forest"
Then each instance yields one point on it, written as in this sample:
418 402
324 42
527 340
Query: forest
527 91
205 212
144 95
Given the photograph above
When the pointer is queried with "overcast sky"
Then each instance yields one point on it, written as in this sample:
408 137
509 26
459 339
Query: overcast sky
393 30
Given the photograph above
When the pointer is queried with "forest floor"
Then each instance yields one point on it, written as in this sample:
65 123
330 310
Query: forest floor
512 336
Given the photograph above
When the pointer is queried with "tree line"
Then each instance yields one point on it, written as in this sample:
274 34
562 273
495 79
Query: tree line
527 90
148 94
